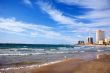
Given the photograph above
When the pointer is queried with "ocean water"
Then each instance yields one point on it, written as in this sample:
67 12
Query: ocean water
41 53
36 49
33 49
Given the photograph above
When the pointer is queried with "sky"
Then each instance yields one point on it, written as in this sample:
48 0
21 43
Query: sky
52 21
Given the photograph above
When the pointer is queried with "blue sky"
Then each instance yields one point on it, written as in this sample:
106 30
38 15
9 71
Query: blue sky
52 21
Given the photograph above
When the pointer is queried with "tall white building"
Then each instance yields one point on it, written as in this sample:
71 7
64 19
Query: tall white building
100 36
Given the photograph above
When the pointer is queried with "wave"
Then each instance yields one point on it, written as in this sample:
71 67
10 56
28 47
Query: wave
25 54
39 51
32 66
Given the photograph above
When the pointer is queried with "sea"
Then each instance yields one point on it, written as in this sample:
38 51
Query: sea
42 53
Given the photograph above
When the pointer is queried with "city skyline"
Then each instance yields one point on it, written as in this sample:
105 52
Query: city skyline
101 39
52 21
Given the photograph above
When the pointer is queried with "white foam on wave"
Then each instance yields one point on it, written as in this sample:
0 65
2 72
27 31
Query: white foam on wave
82 51
100 50
21 54
31 66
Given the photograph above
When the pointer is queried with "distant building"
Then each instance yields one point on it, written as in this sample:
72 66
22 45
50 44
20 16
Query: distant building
107 40
90 40
101 42
100 36
81 43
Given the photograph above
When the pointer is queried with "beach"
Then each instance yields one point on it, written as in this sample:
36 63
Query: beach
69 65
54 36
62 60
56 59
65 66
62 66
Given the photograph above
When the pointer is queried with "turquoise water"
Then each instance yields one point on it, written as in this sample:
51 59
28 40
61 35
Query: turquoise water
47 46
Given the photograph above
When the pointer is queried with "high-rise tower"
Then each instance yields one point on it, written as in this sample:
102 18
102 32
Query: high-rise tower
90 40
100 36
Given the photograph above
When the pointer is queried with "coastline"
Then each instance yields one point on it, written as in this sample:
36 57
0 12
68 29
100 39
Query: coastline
100 65
31 67
23 69
16 61
67 65
67 58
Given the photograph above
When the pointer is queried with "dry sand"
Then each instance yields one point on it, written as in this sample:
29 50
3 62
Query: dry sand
101 65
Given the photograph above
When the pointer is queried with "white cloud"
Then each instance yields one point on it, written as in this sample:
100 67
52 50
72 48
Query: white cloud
94 4
11 25
27 2
97 14
55 14
100 13
100 8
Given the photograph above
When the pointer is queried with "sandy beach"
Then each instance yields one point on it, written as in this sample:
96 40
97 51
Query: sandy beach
100 65
69 65
48 63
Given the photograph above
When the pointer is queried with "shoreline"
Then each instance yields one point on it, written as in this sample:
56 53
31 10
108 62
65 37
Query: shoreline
48 60
18 61
32 66
62 65
29 67
78 66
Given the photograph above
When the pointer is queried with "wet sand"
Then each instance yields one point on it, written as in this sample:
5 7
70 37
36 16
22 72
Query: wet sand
63 66
66 66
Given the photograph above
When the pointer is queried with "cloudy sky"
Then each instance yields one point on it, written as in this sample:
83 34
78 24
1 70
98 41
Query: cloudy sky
52 21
